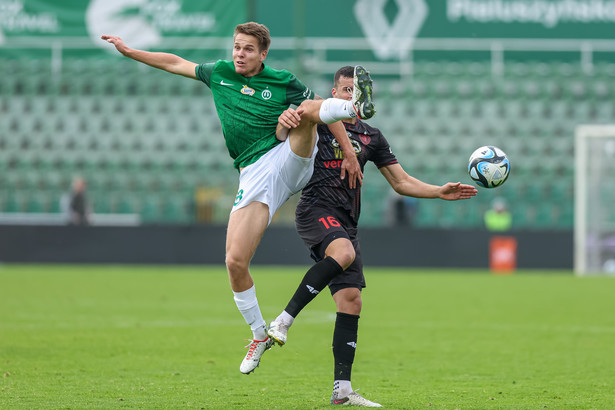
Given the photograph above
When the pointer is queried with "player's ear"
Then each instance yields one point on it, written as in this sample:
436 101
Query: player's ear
333 92
264 55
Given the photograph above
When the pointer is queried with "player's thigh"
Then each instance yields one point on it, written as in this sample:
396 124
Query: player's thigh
303 139
274 178
318 227
294 170
246 227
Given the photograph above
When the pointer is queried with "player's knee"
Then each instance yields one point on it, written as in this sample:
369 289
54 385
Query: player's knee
342 251
347 256
357 304
353 303
309 107
236 265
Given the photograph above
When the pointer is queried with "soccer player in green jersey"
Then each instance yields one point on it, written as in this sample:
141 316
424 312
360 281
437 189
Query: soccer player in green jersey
251 98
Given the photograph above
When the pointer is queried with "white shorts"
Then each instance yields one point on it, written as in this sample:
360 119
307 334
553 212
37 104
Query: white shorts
275 177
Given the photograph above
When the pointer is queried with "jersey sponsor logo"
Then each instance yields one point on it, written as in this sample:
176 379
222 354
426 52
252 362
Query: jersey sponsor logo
223 83
312 290
307 93
266 94
338 152
247 90
333 164
365 139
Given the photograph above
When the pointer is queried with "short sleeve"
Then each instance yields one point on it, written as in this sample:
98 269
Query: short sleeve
383 154
203 72
297 92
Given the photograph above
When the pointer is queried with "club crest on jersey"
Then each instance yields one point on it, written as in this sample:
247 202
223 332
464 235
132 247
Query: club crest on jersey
247 90
365 139
266 94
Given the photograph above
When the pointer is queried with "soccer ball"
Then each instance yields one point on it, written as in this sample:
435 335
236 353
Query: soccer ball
489 166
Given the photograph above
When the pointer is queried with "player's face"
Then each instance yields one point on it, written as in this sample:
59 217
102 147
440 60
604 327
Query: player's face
247 58
344 88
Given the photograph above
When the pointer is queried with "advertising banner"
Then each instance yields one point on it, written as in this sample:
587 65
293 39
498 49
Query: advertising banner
379 27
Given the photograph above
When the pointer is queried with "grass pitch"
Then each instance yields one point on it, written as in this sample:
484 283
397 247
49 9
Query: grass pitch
171 337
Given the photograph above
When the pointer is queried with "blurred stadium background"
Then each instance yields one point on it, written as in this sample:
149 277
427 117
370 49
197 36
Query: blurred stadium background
449 77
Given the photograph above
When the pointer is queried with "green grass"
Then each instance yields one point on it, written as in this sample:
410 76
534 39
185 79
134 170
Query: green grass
171 337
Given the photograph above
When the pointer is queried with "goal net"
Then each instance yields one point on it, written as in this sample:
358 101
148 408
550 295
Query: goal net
594 206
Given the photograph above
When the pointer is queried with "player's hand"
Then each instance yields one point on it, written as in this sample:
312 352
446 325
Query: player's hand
117 42
291 118
453 191
350 166
281 132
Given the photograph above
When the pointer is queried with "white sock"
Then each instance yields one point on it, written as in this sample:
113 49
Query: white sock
336 109
285 317
342 387
248 306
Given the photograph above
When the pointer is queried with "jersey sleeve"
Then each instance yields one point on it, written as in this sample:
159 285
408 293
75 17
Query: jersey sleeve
297 92
383 154
203 72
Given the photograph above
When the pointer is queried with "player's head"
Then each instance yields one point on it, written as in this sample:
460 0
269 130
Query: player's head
250 47
256 30
343 83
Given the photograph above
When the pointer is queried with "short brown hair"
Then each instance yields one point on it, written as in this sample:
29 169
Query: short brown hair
260 31
347 71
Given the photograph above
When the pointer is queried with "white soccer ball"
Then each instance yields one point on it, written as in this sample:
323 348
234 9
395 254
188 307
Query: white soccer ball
489 166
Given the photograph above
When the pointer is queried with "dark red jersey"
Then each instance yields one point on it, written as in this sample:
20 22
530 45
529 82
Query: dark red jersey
326 189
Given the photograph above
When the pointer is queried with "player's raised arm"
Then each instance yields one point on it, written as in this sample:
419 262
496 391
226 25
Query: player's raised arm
164 61
407 185
350 165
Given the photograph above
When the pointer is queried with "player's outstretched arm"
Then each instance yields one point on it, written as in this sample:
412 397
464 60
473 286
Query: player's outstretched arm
407 185
164 61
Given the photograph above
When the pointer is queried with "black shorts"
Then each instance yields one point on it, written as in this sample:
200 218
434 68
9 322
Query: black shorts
318 227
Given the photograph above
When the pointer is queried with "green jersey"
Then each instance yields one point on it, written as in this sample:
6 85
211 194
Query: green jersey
249 107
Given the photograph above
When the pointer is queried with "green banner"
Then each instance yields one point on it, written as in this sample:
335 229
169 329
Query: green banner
77 25
379 28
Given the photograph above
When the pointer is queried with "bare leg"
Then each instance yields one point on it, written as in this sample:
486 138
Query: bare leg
245 230
246 227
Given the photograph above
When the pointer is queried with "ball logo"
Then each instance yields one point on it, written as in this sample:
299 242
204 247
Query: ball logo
266 94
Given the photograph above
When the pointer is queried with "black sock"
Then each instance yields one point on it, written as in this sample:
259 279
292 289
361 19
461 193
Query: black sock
344 344
315 280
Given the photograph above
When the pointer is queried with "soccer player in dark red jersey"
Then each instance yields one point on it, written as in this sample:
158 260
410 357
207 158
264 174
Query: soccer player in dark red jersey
327 218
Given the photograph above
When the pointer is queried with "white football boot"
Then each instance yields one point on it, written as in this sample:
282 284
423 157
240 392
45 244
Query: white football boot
256 348
278 331
353 399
